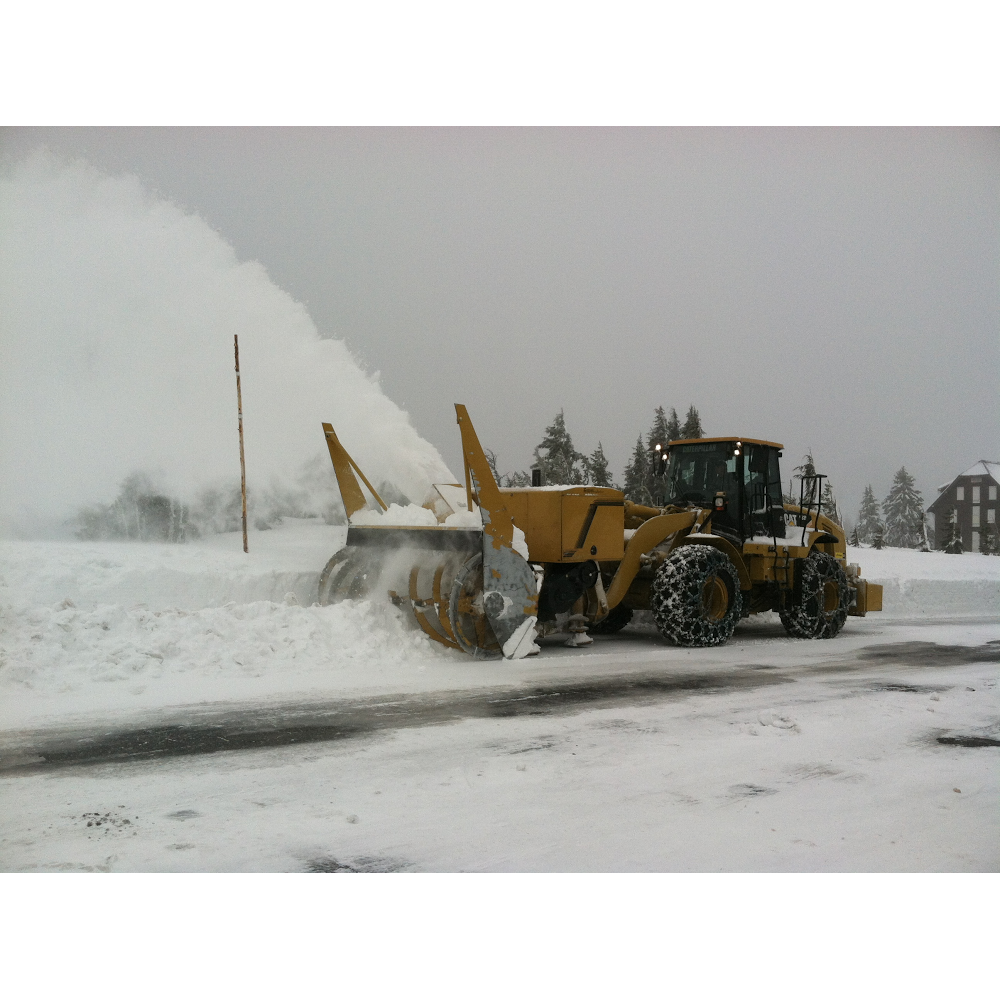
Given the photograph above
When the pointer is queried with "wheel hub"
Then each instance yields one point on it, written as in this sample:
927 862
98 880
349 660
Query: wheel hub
714 598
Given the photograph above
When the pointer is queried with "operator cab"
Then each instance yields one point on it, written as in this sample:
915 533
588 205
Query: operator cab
738 477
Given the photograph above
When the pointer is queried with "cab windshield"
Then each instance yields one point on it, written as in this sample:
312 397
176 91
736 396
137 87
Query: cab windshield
698 471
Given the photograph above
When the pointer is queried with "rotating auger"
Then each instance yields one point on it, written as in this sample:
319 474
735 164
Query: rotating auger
467 588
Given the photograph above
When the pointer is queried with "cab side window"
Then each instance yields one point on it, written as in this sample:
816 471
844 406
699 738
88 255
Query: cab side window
762 491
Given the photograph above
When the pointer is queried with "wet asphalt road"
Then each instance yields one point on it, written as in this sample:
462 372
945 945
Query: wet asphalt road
230 729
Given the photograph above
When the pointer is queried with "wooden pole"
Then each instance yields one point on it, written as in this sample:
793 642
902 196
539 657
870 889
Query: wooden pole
243 464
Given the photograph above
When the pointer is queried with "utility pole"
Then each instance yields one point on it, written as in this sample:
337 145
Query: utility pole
243 464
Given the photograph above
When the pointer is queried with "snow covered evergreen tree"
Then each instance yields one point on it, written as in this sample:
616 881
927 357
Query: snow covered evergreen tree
868 516
597 468
673 426
692 425
830 508
491 461
989 541
878 536
854 540
951 537
807 492
635 474
925 542
140 512
807 468
505 480
659 434
556 457
903 509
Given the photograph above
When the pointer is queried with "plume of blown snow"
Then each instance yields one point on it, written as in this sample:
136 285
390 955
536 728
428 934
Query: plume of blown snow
116 333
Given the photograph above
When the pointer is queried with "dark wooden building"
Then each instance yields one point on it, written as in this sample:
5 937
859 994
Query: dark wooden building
973 495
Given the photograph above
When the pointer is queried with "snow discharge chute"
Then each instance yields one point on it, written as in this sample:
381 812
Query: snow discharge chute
458 563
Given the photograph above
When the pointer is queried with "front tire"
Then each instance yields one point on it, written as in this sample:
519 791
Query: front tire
696 598
824 597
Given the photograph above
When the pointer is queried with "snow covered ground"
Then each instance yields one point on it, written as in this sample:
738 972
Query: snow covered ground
767 754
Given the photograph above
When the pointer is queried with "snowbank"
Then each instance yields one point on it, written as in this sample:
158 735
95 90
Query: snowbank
207 573
117 627
908 564
918 584
122 627
113 657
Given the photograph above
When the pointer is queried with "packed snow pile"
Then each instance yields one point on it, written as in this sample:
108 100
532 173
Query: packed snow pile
931 583
467 519
119 626
414 516
62 648
411 514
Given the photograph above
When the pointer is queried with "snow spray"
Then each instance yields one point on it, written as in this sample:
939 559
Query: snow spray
117 307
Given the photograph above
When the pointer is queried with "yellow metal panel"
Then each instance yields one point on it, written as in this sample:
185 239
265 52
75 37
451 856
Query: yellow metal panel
516 502
350 491
497 521
588 523
574 511
538 513
553 521
607 534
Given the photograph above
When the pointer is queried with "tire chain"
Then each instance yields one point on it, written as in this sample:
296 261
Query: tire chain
808 619
676 599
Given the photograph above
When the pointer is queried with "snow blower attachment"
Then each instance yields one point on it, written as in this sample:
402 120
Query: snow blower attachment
457 569
568 560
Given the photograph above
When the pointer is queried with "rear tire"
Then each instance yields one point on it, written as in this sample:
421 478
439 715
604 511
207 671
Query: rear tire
696 599
825 596
614 621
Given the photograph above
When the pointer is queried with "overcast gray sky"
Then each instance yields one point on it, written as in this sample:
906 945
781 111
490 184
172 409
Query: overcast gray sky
832 289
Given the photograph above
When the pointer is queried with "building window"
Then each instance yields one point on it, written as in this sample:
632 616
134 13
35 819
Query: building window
993 493
975 494
991 516
960 493
975 517
975 541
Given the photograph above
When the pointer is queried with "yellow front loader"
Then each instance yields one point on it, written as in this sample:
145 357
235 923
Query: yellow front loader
491 569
